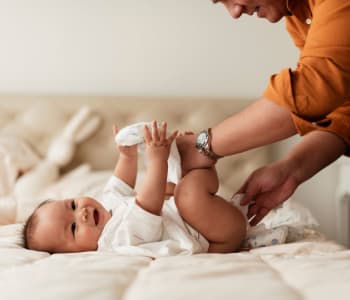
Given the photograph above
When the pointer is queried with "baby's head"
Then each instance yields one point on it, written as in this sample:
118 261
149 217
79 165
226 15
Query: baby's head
71 225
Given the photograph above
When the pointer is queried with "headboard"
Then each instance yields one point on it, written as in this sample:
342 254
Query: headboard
38 118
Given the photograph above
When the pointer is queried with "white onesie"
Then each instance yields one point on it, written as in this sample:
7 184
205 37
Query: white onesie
134 231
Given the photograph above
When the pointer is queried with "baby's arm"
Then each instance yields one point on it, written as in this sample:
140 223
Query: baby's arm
126 167
152 191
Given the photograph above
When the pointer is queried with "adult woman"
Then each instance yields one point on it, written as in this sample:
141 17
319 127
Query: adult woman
312 100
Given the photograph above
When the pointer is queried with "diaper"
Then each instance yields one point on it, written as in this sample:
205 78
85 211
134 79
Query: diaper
259 236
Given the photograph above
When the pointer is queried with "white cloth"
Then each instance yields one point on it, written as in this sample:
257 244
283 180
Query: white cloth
133 135
134 231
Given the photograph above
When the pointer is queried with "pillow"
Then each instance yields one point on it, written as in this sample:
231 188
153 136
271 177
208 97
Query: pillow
12 251
11 236
8 206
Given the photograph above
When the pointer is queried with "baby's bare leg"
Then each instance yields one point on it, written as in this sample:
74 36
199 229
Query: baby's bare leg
190 157
219 222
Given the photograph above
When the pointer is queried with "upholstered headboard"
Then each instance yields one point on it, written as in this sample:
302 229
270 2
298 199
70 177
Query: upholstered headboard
38 119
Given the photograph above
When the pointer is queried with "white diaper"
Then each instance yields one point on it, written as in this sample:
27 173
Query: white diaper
133 135
259 236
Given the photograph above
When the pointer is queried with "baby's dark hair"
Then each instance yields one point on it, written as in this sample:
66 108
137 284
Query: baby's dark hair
30 226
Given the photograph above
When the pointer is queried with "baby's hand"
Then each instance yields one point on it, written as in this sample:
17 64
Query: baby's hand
129 151
157 143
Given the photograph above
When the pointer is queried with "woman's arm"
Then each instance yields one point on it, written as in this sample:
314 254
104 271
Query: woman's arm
261 123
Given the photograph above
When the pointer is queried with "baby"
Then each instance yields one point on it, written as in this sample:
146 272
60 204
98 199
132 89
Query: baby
193 220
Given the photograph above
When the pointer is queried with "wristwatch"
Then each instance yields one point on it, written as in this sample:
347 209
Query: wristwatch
203 144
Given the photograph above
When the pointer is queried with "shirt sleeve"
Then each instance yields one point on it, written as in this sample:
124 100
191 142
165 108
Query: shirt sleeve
337 122
320 82
138 227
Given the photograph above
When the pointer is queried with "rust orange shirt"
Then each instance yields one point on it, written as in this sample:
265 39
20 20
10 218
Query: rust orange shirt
317 91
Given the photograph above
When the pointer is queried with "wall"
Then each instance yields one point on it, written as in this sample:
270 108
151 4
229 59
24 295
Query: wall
183 48
319 193
153 47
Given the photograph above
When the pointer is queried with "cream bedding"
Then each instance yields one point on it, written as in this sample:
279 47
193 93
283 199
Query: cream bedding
311 268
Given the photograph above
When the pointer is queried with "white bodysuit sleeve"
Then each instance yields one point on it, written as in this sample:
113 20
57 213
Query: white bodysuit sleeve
116 192
118 187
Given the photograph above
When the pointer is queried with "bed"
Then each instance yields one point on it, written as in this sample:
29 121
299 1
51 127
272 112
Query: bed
309 267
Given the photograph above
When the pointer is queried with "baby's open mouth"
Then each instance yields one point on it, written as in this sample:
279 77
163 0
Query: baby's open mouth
96 216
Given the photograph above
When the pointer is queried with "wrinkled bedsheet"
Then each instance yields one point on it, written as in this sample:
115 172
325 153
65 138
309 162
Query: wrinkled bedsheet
310 269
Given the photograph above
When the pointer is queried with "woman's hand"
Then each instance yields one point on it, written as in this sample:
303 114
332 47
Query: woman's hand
271 185
267 188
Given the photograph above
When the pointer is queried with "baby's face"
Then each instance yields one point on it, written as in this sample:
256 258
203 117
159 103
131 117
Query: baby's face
71 225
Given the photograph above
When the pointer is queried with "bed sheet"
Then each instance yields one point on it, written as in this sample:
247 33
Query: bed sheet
310 269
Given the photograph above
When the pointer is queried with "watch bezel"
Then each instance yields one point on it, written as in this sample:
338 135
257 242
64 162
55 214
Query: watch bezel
201 143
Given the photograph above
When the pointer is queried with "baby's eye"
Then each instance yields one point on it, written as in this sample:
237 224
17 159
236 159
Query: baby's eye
73 205
73 228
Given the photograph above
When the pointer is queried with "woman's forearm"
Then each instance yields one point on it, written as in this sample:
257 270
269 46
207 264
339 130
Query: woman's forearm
315 151
261 123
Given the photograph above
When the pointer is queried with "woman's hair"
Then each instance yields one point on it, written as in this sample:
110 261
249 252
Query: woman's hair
30 226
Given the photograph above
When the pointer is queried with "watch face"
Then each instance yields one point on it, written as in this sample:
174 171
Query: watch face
202 139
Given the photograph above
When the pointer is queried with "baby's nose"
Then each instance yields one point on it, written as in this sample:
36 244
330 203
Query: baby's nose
84 215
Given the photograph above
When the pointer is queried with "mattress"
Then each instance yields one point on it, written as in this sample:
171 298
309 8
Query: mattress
313 268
